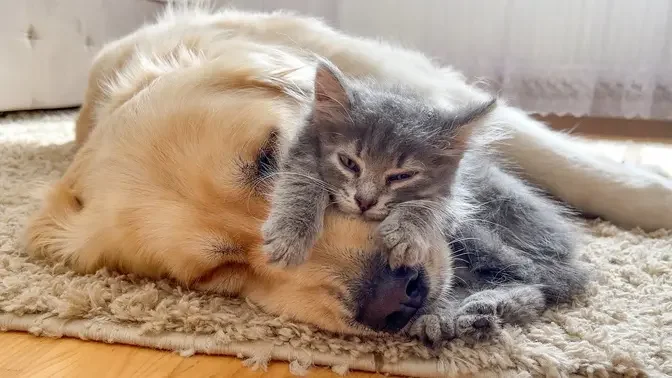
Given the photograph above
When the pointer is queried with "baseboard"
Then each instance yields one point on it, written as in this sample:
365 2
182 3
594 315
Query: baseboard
612 128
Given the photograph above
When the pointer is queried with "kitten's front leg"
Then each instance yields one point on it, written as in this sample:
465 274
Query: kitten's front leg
407 233
482 314
295 220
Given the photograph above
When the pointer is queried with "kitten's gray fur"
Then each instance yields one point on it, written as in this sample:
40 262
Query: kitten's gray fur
513 249
380 132
513 255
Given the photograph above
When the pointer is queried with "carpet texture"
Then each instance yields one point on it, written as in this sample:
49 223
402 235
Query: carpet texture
622 327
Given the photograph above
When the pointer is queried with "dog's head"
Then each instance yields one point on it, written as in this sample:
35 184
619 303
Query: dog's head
347 285
175 182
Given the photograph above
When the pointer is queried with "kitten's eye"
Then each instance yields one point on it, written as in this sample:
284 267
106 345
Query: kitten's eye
400 177
348 163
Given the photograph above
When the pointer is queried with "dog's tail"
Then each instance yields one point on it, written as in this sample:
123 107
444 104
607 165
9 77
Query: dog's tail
566 167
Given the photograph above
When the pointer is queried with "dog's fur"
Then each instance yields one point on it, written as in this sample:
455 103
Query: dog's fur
175 117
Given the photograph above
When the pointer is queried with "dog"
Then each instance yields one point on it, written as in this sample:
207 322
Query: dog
183 118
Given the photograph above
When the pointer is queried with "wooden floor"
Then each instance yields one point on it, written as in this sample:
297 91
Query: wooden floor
23 355
26 356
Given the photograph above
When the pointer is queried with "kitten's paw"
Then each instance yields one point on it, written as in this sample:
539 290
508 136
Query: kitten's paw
405 243
433 329
477 321
286 243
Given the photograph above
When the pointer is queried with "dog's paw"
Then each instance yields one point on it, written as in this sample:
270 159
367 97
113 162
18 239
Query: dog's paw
433 329
405 243
477 321
286 243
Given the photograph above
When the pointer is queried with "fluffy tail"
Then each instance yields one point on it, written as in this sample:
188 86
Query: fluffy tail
627 195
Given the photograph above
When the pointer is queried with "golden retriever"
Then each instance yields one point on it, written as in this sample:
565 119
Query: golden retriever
181 120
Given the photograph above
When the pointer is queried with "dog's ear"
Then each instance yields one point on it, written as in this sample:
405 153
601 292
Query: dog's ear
459 124
332 101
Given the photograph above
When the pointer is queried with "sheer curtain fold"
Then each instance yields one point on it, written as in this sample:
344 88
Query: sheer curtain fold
608 58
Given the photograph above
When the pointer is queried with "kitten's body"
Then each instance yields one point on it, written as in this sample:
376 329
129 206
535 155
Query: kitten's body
379 152
513 253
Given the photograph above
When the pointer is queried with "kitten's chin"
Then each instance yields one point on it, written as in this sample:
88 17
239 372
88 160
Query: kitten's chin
353 210
348 209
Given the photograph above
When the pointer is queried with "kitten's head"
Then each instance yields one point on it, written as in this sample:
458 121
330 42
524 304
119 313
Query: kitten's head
382 146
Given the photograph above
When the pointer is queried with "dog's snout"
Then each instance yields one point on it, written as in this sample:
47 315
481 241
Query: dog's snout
393 300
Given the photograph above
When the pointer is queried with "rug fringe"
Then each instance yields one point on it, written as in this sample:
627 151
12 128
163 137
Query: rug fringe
258 354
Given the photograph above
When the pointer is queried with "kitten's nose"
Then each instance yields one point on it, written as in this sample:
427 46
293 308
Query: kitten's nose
365 203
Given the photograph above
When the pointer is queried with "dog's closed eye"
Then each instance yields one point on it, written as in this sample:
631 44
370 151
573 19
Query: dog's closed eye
258 172
266 163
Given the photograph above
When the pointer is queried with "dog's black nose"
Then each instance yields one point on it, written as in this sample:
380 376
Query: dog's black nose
393 299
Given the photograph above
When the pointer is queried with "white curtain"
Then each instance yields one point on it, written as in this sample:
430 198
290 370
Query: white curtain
581 57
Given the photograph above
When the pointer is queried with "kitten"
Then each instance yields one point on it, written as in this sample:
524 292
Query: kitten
381 153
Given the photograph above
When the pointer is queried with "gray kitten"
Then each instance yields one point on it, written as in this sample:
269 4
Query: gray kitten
380 153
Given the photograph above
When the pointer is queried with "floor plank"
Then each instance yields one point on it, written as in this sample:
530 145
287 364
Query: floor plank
26 356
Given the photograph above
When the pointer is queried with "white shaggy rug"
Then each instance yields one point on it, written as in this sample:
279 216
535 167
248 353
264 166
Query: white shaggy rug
622 327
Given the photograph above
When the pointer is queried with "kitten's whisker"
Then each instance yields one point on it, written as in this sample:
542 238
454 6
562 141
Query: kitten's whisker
309 178
255 184
303 178
463 239
461 279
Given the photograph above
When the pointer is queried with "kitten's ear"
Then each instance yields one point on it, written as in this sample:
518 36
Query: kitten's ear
473 113
332 102
460 123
